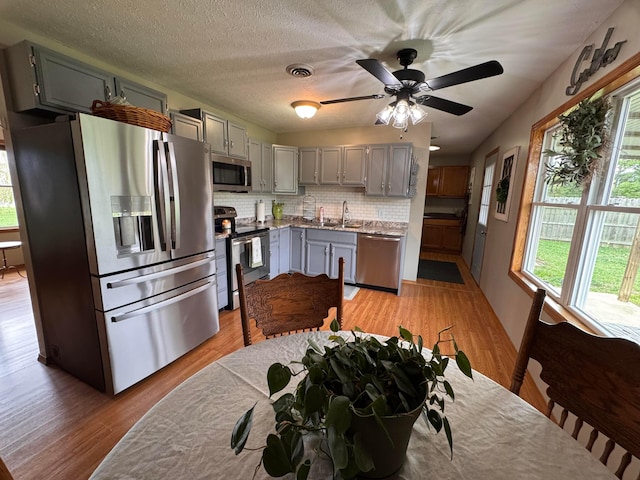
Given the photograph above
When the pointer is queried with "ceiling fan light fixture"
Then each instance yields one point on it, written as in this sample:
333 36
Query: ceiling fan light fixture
305 108
385 115
417 113
434 148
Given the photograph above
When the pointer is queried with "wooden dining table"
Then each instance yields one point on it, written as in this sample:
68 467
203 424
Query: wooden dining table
496 435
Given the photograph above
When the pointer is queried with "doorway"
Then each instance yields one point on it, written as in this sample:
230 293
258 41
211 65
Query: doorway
483 214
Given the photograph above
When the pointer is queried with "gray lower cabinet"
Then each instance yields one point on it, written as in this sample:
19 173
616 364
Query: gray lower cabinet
297 250
323 248
47 80
186 126
221 272
279 254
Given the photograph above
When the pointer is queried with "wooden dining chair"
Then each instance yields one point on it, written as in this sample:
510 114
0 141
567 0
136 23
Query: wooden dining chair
5 474
290 302
596 379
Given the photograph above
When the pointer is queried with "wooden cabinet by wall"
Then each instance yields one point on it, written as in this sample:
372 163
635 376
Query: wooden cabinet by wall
47 80
448 181
441 235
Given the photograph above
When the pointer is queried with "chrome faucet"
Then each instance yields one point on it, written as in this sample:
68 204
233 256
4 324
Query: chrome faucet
345 213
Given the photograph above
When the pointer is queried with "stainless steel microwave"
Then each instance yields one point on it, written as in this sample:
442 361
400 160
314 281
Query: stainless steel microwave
231 174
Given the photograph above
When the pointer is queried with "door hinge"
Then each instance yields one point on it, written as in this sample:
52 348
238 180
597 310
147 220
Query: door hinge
32 60
36 89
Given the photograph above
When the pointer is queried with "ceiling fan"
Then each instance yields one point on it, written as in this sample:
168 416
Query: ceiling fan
408 84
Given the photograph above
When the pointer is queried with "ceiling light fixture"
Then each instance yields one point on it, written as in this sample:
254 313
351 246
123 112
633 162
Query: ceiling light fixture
305 108
399 113
434 148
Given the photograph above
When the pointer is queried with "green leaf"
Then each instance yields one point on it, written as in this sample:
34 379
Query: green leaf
314 399
447 430
241 430
405 334
338 448
403 382
315 346
339 415
283 403
278 377
274 458
303 470
335 325
435 419
362 457
463 363
449 389
340 372
293 445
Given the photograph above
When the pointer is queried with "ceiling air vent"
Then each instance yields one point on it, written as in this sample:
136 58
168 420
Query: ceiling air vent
300 70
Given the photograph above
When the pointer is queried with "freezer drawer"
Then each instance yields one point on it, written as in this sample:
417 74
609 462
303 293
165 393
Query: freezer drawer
124 288
139 339
378 261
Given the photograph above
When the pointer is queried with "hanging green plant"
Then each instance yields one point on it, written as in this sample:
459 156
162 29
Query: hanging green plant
580 141
502 190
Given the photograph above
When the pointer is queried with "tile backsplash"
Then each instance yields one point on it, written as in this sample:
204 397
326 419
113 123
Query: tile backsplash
360 206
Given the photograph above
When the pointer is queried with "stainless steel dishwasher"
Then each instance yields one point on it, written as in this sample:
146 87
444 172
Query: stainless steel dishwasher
378 261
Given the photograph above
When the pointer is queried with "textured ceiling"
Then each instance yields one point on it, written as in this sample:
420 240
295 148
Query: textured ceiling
233 53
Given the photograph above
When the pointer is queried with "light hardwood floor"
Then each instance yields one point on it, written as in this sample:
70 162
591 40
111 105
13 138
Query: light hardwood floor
55 427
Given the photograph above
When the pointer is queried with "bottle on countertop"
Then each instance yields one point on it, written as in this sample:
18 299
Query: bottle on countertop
321 214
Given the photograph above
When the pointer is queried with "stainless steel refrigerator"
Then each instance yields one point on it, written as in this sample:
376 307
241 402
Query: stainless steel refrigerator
121 246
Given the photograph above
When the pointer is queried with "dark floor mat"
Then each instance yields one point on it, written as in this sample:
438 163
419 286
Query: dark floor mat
439 271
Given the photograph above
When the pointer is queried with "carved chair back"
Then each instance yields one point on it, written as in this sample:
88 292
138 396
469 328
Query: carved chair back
289 302
595 379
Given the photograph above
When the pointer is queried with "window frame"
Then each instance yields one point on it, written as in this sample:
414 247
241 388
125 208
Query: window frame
16 228
614 80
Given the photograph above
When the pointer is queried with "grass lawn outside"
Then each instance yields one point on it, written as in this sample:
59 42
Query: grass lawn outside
551 261
8 217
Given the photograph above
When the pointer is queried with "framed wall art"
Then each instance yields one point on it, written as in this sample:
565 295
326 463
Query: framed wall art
504 187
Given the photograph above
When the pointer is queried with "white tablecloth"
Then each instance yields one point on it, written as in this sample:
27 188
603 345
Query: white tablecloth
187 435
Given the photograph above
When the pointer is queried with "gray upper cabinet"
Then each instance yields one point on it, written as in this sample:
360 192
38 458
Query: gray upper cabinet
309 165
141 96
331 166
225 137
186 126
388 170
261 166
354 162
46 80
285 170
334 165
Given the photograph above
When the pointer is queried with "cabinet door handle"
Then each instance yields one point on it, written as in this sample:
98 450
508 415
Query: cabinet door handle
231 143
107 92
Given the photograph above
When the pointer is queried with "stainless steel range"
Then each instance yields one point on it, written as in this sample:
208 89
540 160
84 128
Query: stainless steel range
247 245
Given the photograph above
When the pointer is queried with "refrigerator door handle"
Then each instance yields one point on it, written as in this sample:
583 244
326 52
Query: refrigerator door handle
165 273
174 196
165 303
162 196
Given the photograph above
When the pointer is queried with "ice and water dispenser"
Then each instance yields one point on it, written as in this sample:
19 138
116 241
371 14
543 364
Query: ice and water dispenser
132 224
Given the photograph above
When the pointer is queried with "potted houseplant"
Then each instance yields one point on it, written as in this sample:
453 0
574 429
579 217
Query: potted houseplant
580 140
356 396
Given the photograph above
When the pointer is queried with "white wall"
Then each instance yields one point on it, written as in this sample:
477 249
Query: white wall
507 299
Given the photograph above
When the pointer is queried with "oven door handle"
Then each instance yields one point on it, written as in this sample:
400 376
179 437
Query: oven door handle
242 242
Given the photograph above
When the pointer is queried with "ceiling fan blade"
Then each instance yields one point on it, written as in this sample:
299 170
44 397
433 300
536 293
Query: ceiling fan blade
477 72
444 105
352 99
375 68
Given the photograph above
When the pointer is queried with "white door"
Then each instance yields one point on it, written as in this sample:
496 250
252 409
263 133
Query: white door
483 215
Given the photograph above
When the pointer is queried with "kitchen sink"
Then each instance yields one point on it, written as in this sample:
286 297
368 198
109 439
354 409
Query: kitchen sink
330 224
349 225
353 225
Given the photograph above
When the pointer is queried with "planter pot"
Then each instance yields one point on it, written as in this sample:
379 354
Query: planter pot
387 458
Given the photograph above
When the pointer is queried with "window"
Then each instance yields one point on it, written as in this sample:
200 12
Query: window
583 246
8 217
